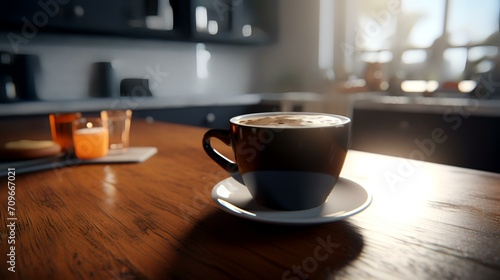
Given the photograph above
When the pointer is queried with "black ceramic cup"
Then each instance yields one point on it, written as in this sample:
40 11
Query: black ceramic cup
292 164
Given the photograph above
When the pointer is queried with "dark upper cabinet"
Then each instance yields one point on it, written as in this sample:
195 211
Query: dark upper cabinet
64 15
233 20
225 21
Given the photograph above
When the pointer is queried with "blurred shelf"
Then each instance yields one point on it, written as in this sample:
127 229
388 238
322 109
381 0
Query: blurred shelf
26 108
437 105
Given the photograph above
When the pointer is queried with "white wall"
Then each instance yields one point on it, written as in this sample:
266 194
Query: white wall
292 63
66 64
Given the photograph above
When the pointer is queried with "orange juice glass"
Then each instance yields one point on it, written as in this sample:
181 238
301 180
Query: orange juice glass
61 128
90 137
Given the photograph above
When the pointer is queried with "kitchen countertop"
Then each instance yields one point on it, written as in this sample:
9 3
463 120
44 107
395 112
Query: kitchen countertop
439 105
135 103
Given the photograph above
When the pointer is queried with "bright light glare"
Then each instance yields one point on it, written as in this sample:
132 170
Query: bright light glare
480 52
466 86
213 27
246 30
201 16
385 56
374 57
326 40
202 58
407 202
223 192
432 86
471 22
370 57
455 60
234 208
419 86
484 66
108 185
414 56
428 16
10 90
414 86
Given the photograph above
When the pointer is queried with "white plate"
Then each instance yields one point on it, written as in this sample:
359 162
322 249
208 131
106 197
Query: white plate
346 199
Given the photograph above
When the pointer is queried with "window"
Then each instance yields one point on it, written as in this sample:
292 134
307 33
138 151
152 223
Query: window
425 40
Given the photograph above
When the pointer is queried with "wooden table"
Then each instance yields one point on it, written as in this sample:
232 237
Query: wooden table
156 220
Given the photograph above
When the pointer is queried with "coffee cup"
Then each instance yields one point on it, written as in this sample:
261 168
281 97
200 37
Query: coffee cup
287 160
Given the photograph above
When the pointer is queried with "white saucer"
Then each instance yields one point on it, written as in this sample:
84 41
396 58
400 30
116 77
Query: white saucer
346 199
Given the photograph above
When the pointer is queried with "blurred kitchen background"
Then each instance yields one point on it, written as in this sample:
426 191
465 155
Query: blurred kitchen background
404 70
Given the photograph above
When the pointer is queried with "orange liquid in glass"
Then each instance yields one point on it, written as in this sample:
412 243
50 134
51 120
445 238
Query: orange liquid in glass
91 142
61 128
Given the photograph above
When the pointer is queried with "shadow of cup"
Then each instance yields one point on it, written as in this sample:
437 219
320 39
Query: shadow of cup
222 246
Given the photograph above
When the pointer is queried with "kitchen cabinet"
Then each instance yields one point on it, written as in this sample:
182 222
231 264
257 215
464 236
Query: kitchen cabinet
209 116
454 131
220 21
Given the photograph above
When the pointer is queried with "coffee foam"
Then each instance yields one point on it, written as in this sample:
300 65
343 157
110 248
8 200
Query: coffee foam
295 120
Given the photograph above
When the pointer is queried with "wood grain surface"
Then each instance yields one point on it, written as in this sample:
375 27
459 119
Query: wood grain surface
156 220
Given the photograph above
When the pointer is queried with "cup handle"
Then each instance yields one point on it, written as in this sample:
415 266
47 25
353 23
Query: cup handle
228 165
